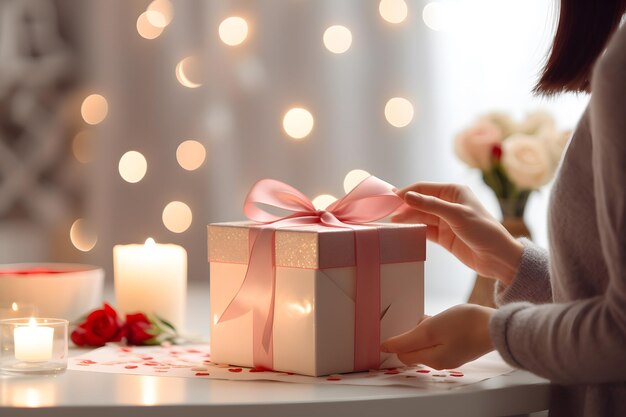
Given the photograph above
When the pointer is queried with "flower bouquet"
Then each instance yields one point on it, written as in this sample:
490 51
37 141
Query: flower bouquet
515 157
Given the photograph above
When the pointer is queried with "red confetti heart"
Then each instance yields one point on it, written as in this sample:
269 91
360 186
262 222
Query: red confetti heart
256 370
88 362
130 366
234 369
456 374
147 358
193 351
333 378
392 372
151 363
423 371
125 349
202 374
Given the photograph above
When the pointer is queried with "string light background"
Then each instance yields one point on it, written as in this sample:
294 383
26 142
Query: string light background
190 102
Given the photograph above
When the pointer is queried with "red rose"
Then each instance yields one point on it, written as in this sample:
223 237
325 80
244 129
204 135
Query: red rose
496 152
100 327
139 330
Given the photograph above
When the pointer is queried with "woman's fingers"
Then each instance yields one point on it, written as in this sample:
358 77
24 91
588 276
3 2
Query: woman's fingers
452 213
433 233
434 356
410 215
448 192
415 339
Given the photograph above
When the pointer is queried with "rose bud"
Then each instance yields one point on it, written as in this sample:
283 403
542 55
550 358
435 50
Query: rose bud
100 326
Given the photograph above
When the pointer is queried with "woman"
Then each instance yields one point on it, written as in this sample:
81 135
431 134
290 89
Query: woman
574 332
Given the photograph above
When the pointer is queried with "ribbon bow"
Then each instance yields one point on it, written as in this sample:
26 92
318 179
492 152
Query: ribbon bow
371 200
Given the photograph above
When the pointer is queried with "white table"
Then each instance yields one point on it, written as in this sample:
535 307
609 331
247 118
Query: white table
85 394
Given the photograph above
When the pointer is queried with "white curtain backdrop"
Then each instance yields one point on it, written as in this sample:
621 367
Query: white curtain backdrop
485 60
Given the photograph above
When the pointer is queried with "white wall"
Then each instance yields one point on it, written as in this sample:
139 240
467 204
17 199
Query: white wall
486 58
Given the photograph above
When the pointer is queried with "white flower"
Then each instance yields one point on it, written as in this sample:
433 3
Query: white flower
474 144
503 121
536 122
527 161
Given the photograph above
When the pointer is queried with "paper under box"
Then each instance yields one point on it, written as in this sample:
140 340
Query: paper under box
313 328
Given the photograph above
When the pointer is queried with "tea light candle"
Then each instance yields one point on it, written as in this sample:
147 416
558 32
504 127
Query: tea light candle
151 278
33 343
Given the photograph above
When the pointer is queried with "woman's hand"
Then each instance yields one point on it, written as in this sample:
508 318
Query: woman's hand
447 340
456 220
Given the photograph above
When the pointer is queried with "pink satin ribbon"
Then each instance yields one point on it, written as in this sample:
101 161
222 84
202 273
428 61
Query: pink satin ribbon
369 201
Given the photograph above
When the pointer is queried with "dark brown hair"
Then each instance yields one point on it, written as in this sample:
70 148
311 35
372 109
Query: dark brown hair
583 31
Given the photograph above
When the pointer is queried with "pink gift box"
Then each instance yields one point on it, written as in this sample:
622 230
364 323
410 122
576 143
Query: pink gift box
314 308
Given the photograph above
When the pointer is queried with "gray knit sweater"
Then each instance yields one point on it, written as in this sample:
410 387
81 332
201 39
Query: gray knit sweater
574 332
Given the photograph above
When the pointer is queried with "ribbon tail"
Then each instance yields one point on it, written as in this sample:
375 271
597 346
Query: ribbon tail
263 355
240 303
256 294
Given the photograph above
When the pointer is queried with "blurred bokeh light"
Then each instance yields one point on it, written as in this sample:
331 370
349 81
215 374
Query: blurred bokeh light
298 122
190 154
83 235
94 109
132 166
177 216
233 30
399 112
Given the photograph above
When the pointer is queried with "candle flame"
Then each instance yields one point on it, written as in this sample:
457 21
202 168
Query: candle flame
32 322
14 306
150 242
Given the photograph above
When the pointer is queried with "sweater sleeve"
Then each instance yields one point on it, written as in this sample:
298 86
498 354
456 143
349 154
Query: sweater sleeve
532 281
584 341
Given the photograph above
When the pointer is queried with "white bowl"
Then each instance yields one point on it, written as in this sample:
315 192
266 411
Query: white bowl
65 291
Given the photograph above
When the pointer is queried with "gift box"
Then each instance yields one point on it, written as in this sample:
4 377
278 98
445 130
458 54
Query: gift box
310 293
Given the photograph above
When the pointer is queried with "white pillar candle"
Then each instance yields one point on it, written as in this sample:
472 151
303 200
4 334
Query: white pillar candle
151 278
33 343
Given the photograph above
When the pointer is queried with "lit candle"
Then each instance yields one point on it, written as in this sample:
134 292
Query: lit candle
33 343
151 278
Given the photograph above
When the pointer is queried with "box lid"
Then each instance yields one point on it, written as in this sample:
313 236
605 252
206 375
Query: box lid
315 246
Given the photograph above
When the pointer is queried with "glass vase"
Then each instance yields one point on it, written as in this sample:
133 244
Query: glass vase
513 221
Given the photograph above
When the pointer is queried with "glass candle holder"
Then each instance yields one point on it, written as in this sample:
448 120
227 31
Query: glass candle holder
16 310
33 345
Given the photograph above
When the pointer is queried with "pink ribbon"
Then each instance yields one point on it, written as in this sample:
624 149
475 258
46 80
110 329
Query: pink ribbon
369 201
